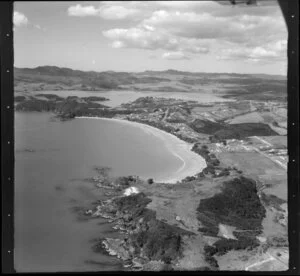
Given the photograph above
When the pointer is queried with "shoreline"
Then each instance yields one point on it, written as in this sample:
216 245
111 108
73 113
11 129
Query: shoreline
192 162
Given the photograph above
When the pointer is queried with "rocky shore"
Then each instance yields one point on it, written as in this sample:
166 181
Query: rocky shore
149 243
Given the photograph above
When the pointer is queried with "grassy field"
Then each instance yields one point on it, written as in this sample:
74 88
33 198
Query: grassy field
277 141
253 117
251 163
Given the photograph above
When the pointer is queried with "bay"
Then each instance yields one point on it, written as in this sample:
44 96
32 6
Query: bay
51 160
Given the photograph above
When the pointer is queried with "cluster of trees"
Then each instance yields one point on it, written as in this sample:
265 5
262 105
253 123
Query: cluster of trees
150 181
278 241
237 205
220 132
223 245
211 160
272 200
206 127
189 179
157 239
50 97
132 204
95 98
160 241
241 131
184 138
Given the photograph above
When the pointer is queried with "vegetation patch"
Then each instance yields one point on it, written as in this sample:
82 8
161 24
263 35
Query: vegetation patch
132 204
160 241
237 205
272 201
241 131
148 238
95 98
20 98
50 97
221 131
222 246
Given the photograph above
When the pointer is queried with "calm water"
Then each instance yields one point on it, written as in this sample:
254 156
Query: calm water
51 158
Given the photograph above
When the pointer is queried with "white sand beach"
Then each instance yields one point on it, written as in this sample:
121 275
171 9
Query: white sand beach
192 163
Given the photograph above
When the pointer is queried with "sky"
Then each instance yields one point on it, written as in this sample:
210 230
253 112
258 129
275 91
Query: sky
134 36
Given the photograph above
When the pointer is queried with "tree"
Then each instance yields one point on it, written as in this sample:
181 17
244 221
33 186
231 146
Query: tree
150 181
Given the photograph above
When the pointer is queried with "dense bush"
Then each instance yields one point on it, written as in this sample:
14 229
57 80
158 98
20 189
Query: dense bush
160 241
241 131
209 251
237 205
220 131
222 246
50 96
94 98
150 181
209 231
206 127
133 203
189 178
272 200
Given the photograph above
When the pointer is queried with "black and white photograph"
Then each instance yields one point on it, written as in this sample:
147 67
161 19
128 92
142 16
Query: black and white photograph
150 136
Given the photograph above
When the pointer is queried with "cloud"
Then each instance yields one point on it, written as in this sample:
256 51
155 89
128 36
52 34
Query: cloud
194 27
19 19
106 11
117 12
142 37
37 26
267 53
200 27
238 28
81 11
175 56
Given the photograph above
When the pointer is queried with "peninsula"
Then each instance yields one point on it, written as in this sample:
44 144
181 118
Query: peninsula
229 213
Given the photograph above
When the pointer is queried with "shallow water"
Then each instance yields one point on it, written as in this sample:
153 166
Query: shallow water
51 158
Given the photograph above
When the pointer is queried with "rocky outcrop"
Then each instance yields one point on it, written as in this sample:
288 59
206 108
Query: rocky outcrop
148 239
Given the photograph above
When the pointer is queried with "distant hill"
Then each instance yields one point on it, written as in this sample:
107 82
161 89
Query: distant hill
86 80
230 85
67 72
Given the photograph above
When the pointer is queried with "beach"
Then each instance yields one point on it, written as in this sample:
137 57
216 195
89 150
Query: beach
192 163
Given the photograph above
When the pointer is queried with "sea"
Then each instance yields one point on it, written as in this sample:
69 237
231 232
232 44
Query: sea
53 159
